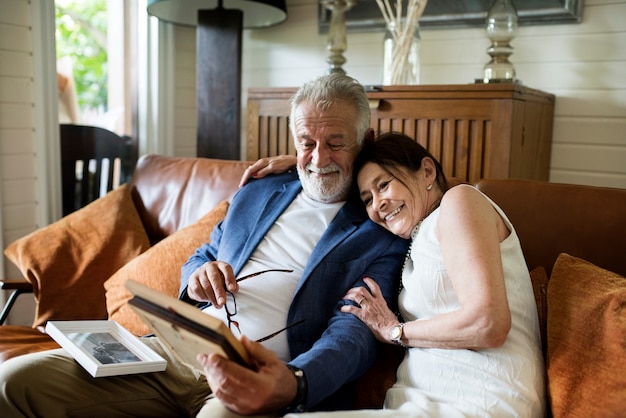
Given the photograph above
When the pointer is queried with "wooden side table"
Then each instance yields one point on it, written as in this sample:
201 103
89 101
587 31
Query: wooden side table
476 130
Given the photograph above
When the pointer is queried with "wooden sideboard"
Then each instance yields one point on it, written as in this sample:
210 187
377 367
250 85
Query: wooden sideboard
476 130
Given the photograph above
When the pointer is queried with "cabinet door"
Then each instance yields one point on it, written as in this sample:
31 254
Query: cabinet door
469 137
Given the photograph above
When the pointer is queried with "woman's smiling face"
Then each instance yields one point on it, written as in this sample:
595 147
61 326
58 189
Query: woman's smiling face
389 202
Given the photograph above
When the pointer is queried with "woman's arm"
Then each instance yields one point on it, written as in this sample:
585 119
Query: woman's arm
469 231
271 165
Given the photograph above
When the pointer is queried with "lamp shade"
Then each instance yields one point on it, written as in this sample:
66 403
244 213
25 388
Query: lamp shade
256 13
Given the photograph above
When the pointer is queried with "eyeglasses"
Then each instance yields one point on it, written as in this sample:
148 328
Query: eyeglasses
231 305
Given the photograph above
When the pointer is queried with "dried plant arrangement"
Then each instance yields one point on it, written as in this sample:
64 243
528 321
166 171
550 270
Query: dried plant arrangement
402 28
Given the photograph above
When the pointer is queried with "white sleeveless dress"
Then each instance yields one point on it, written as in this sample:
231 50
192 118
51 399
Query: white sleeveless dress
507 381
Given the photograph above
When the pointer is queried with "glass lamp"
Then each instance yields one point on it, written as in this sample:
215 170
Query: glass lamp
501 29
218 54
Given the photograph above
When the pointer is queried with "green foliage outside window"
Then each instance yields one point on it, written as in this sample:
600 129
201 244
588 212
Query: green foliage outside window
81 34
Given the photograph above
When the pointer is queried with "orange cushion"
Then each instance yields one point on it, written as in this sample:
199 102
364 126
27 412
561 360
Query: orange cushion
68 261
158 268
586 337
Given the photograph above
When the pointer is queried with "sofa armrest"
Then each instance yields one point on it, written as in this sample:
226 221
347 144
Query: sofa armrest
18 286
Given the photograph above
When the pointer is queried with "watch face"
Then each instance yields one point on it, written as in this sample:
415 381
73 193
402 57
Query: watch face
396 332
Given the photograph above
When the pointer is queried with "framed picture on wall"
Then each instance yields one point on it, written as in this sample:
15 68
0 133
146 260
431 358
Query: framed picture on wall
365 15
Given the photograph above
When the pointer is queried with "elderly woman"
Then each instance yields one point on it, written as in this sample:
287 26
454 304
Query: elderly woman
467 313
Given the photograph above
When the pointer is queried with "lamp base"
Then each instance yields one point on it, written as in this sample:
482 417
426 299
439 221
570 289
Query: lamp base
337 39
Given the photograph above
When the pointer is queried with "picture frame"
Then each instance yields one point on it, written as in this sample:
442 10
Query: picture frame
365 16
184 328
105 348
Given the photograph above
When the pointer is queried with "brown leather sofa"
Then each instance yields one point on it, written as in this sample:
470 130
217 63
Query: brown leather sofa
587 222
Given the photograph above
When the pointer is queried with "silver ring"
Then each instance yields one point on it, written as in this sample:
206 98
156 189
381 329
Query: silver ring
360 302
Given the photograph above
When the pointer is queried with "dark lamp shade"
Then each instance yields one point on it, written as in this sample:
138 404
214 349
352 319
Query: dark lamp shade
256 13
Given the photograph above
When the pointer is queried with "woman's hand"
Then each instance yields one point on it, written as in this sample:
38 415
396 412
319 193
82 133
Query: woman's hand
265 166
372 309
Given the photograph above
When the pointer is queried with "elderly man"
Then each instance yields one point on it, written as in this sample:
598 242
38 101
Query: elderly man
310 223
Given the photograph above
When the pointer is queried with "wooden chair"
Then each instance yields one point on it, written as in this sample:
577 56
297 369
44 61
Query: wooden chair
93 162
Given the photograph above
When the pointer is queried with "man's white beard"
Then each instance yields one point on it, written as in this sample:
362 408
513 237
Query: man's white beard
330 189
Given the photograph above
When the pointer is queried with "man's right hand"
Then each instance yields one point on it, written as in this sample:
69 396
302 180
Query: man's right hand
267 387
210 281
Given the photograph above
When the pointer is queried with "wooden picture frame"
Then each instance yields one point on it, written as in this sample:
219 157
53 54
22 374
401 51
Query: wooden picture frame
184 328
365 16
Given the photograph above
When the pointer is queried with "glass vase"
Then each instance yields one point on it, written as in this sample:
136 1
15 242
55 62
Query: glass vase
401 55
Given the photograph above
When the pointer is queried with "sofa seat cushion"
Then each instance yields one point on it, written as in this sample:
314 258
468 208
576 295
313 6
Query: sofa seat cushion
586 340
68 261
16 340
158 268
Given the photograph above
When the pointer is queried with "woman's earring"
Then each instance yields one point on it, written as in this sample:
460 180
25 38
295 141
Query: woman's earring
429 187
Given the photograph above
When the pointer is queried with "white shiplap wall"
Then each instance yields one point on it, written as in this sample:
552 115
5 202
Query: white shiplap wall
18 186
584 65
17 141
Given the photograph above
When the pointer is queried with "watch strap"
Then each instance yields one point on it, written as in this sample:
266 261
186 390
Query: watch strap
398 340
299 402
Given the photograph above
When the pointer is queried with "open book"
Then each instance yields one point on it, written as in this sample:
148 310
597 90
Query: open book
185 329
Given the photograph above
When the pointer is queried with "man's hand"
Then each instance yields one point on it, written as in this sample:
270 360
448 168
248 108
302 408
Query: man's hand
268 387
210 281
264 166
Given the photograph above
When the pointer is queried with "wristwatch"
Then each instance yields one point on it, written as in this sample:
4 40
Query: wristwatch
397 333
298 404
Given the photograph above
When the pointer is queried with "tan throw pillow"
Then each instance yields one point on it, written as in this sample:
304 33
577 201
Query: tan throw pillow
586 340
68 261
158 268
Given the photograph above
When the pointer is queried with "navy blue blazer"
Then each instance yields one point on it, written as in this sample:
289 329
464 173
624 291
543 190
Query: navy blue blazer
333 348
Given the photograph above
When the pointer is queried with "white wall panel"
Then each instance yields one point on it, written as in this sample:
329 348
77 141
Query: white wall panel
16 141
16 115
590 130
15 38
